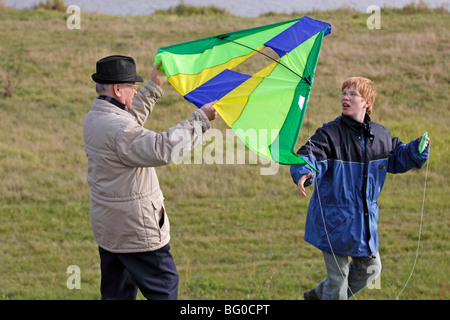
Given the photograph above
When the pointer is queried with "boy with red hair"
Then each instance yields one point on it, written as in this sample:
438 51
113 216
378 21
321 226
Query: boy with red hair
351 156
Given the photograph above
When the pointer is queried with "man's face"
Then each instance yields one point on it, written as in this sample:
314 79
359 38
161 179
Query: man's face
125 93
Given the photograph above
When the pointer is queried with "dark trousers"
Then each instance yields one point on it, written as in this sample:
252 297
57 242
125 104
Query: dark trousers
153 272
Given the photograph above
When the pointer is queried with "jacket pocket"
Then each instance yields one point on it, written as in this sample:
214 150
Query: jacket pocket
118 225
340 226
161 220
150 220
376 177
336 217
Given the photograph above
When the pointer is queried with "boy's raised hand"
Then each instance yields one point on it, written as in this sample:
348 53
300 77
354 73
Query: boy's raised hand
427 141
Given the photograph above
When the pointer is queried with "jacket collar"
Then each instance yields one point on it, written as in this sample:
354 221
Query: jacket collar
108 107
114 101
352 122
357 126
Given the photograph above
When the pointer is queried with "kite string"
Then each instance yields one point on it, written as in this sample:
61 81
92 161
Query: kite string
321 210
325 227
420 231
326 230
418 241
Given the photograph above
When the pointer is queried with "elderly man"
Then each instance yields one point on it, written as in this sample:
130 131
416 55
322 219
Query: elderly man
128 217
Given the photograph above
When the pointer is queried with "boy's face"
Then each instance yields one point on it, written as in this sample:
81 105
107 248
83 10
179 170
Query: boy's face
353 104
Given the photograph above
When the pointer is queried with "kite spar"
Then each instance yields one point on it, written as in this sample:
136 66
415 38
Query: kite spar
273 101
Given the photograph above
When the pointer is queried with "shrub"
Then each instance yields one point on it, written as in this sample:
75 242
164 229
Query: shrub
57 5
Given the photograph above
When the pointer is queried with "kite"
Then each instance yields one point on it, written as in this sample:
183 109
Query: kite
271 102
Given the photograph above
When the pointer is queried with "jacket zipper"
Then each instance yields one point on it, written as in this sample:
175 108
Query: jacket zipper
364 189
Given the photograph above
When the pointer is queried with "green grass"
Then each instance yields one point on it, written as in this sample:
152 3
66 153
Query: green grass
236 234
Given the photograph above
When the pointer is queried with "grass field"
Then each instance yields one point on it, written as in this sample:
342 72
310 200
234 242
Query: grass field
236 234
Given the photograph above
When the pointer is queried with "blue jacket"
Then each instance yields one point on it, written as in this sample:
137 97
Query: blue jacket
352 160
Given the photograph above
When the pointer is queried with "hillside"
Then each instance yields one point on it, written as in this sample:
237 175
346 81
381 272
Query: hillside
236 234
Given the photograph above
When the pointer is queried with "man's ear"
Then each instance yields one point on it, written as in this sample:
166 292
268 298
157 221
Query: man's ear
116 90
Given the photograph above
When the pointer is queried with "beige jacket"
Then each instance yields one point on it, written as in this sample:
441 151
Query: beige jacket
127 204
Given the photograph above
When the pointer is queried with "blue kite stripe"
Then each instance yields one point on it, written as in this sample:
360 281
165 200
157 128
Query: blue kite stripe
216 88
295 35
